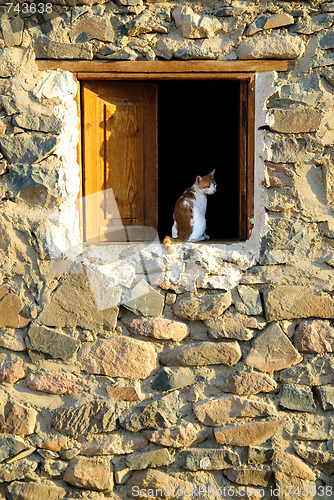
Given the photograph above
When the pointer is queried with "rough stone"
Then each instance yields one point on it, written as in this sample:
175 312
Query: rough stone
233 326
159 328
49 341
11 60
90 473
118 357
247 301
10 309
259 455
173 378
127 393
13 340
203 353
57 383
193 25
152 413
12 30
251 433
317 454
289 302
145 459
210 459
278 175
218 411
145 301
11 368
114 444
247 383
292 148
308 25
208 306
95 417
155 481
316 372
292 466
55 468
10 446
271 46
28 147
57 444
314 336
51 49
256 477
17 470
267 21
326 397
287 483
272 350
145 22
17 419
92 28
297 398
50 124
295 119
177 436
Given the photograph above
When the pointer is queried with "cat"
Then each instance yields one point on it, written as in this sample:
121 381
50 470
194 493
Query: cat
189 212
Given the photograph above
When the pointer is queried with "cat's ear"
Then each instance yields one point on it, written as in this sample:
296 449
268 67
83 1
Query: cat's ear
212 173
198 179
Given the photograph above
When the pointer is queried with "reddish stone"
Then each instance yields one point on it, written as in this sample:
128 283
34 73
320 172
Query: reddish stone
314 336
58 383
159 328
11 368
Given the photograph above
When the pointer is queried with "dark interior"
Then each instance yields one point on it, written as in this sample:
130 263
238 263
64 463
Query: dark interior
197 132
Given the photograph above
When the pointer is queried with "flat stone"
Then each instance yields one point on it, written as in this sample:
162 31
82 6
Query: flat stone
12 30
326 397
295 119
13 340
250 433
317 454
174 378
328 73
246 383
156 481
28 147
127 393
267 21
95 417
298 398
90 473
159 328
51 49
256 477
210 459
118 357
208 306
49 341
316 372
92 28
177 436
247 301
314 336
10 446
11 368
114 444
10 310
259 455
145 301
145 459
153 413
272 350
57 444
218 411
287 483
58 383
232 326
194 25
271 46
278 175
289 302
292 466
17 419
17 470
51 124
203 353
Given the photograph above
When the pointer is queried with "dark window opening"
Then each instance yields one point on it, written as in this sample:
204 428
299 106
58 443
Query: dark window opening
198 130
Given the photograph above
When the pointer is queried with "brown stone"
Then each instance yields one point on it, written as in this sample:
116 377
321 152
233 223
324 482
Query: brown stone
250 433
57 383
118 357
272 350
11 368
10 309
317 372
256 477
114 444
155 480
159 328
314 336
177 436
17 419
203 353
292 466
218 411
90 473
278 175
287 483
13 340
58 444
246 383
124 393
289 302
210 305
31 490
295 119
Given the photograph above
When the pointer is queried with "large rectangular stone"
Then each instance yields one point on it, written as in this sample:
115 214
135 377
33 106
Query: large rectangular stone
49 341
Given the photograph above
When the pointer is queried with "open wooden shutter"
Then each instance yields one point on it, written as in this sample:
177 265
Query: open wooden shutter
119 138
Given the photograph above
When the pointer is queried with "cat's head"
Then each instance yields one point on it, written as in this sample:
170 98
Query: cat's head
207 183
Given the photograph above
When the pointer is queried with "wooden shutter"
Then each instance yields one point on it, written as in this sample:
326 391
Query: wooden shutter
119 141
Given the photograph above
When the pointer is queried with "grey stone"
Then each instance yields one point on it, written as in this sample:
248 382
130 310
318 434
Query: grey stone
51 124
17 470
146 301
259 455
31 490
316 372
153 413
317 454
174 378
292 148
50 49
326 40
328 73
145 22
271 47
49 341
149 459
202 353
27 147
92 28
202 307
10 446
232 325
95 417
268 21
326 397
247 301
288 241
12 60
294 119
305 89
299 398
309 25
210 459
44 174
194 51
12 30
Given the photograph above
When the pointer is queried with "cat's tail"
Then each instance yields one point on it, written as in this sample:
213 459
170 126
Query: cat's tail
168 244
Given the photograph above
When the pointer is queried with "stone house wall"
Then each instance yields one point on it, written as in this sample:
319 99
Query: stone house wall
219 382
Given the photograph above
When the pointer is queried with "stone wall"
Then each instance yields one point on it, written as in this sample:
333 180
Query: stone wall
219 383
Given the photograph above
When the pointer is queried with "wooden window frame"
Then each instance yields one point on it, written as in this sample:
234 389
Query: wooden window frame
244 71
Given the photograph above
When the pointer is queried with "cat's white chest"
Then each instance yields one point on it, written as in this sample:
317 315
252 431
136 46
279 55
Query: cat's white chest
198 220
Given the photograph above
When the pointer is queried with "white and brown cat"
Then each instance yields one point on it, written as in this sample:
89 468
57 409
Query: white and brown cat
189 212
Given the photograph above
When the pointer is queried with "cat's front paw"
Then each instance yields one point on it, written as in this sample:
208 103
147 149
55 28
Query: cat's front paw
206 237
